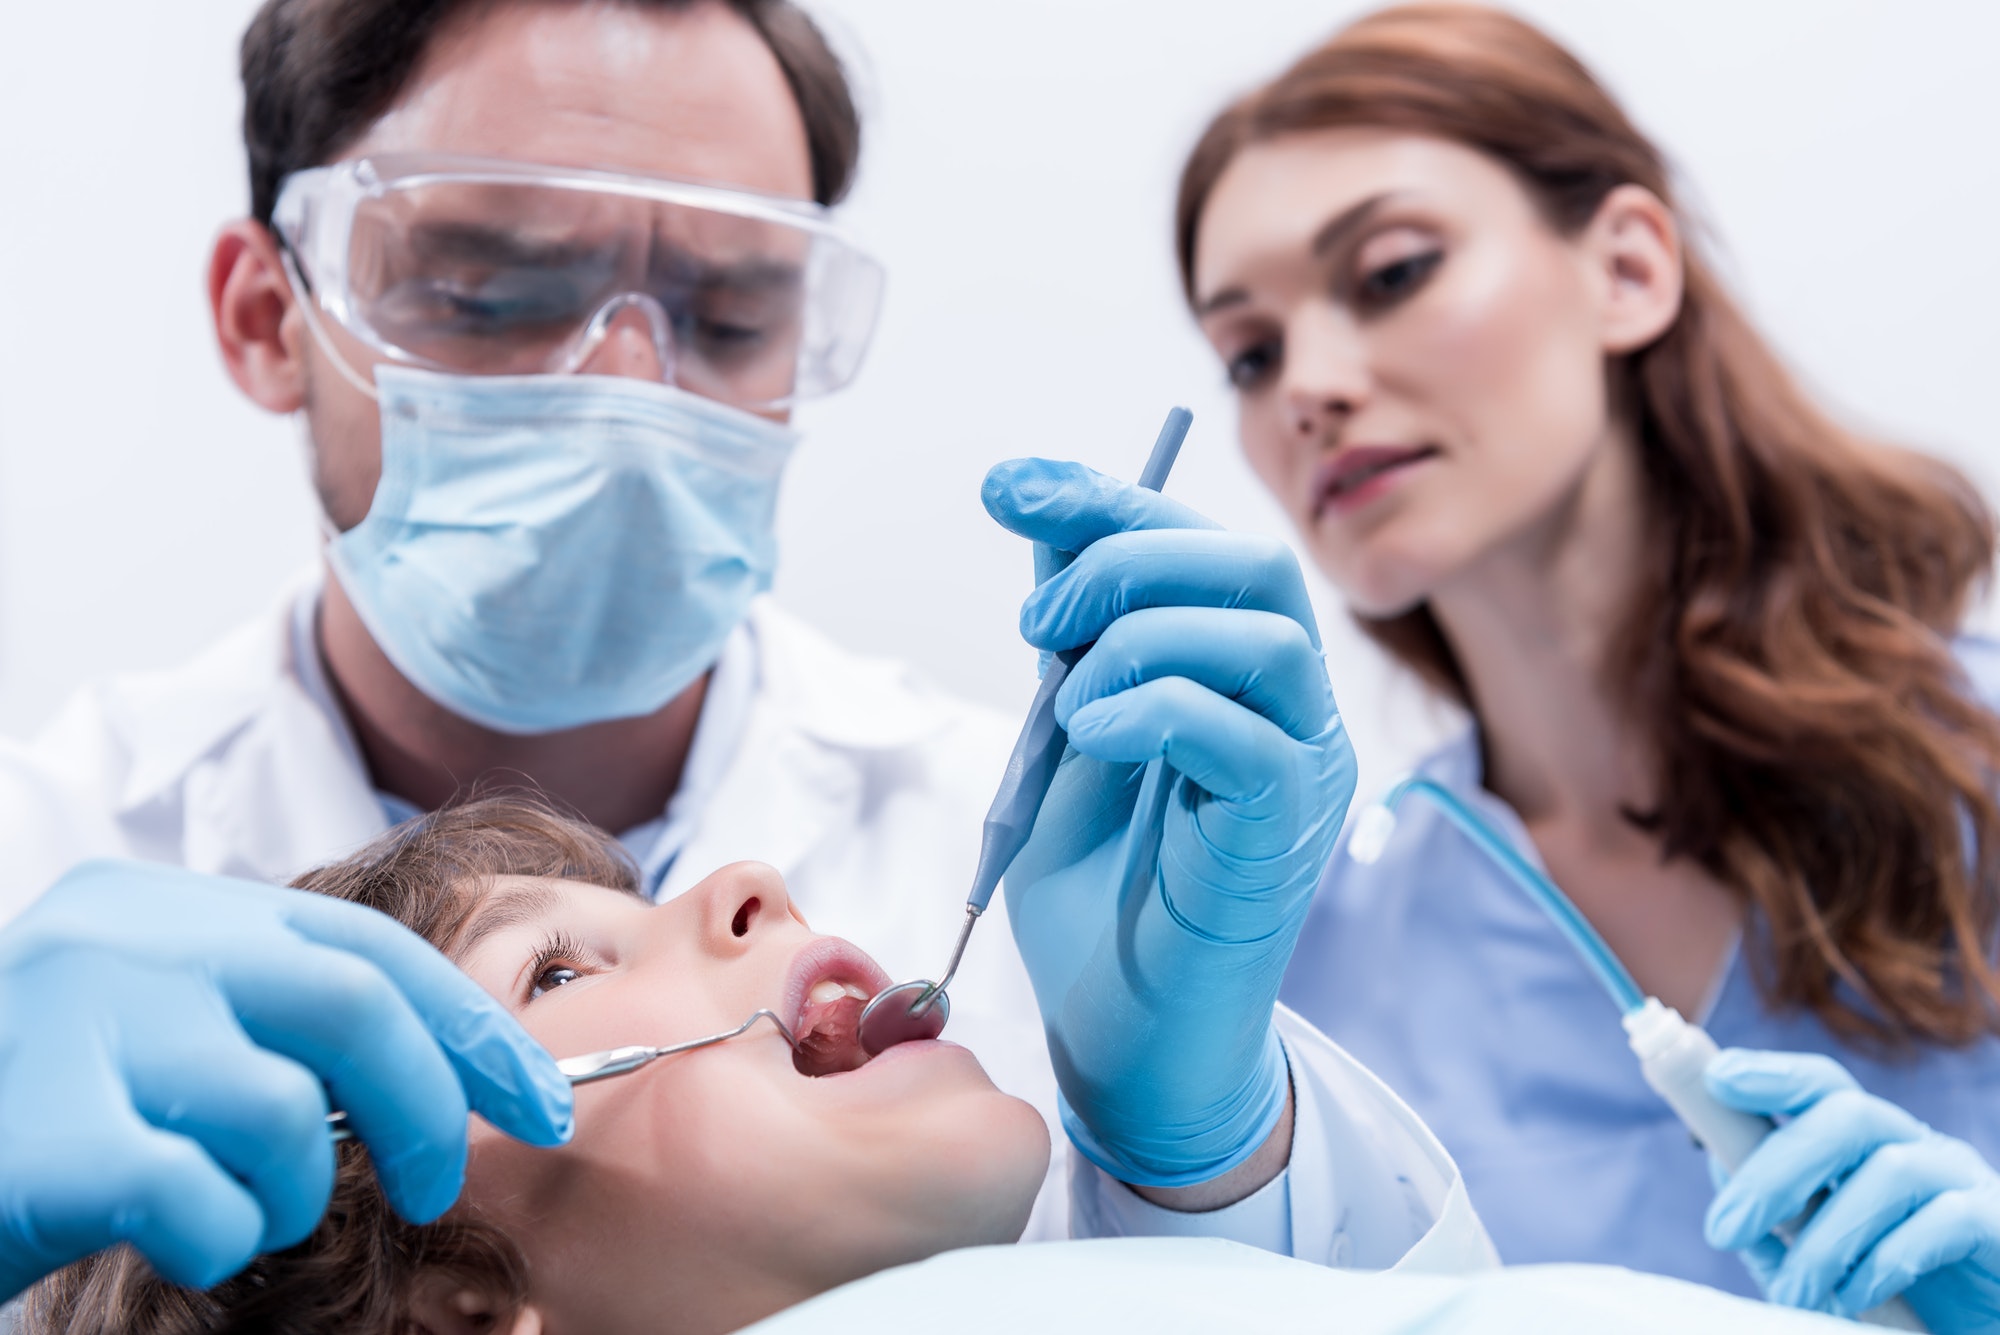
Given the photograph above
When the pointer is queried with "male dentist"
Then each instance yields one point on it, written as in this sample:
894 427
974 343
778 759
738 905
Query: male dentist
544 281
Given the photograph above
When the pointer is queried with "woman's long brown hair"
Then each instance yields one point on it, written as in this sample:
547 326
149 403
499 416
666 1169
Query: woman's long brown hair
1789 651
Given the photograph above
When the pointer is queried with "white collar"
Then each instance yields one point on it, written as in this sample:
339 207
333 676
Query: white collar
725 710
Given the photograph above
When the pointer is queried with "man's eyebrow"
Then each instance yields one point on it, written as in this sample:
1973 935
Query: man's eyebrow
494 245
514 906
1330 234
680 264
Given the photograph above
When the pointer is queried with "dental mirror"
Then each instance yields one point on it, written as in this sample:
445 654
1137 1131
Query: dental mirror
904 1013
918 1009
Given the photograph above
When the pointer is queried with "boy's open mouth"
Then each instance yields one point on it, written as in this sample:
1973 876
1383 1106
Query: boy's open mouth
829 1029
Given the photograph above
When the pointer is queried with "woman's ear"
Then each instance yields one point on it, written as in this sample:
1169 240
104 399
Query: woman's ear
442 1303
1633 246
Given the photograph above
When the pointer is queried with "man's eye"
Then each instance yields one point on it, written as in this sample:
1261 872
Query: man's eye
1398 279
553 977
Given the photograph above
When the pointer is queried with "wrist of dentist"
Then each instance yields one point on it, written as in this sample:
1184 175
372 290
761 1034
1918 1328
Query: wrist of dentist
1239 1183
1250 1203
1194 1153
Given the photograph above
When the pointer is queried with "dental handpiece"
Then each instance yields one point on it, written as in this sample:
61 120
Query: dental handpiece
594 1066
906 1011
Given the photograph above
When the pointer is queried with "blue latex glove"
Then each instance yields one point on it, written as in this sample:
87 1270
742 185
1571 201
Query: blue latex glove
1909 1210
1156 987
167 1044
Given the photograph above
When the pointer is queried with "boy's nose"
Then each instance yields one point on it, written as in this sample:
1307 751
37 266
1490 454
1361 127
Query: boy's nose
741 902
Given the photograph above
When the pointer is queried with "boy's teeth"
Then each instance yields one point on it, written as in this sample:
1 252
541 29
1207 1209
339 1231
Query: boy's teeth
826 989
832 989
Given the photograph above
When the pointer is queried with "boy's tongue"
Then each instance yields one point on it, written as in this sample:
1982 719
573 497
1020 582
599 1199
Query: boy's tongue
833 1041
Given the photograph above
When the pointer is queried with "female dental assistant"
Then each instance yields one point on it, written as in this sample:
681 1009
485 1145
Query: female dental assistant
1709 642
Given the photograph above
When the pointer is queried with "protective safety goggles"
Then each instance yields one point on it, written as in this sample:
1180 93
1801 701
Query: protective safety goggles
489 267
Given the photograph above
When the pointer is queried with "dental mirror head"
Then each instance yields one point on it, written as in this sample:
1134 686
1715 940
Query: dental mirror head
904 1013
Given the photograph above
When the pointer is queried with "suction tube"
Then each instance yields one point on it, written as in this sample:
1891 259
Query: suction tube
1673 1054
1371 839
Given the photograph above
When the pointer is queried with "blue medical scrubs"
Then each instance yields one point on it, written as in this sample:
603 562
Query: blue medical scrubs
1437 972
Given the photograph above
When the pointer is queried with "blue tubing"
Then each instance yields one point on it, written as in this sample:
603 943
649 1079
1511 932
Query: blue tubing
1576 929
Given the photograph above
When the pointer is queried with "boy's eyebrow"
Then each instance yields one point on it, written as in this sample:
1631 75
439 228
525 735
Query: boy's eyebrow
511 907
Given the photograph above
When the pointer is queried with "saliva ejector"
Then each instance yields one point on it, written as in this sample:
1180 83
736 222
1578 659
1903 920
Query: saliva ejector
1673 1052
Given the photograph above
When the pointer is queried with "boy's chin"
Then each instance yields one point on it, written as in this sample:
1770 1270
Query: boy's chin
941 1211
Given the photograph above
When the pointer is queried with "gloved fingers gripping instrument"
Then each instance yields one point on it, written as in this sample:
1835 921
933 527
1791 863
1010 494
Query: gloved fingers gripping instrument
919 1008
493 267
591 1067
1171 864
1878 1203
168 1044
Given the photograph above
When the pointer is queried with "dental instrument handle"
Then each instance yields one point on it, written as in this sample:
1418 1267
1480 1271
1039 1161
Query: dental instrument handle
1673 1057
1030 770
603 1065
1038 750
887 1019
1166 449
593 1066
929 996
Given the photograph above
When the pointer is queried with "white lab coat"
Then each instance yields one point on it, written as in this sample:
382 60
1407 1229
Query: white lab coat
863 785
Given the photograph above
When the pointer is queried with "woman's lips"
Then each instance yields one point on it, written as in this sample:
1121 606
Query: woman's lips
1358 474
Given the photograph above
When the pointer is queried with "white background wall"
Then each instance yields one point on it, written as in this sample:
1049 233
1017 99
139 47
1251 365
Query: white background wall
1017 179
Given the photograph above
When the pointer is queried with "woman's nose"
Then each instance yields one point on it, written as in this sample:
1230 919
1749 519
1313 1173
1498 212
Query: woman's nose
741 904
1325 379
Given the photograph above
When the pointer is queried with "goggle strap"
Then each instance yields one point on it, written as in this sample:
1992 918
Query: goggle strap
309 309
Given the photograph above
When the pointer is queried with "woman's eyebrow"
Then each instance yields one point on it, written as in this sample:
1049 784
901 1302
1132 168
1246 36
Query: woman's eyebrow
1330 234
514 906
1347 221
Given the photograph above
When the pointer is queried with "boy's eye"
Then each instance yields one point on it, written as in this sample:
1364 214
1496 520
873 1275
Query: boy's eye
553 977
555 964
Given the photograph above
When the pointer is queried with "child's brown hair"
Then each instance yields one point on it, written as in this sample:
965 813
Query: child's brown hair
359 1270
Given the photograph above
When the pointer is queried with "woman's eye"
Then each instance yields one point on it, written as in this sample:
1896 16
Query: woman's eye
1393 281
1254 365
551 978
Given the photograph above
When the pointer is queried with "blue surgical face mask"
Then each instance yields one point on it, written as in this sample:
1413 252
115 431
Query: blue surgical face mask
548 551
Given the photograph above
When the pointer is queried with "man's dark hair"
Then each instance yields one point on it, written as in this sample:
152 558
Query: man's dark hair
318 73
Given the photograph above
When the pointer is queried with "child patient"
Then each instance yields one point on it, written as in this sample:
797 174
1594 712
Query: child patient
719 1186
703 1192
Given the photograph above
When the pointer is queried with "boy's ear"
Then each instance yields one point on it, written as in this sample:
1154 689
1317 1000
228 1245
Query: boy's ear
444 1304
